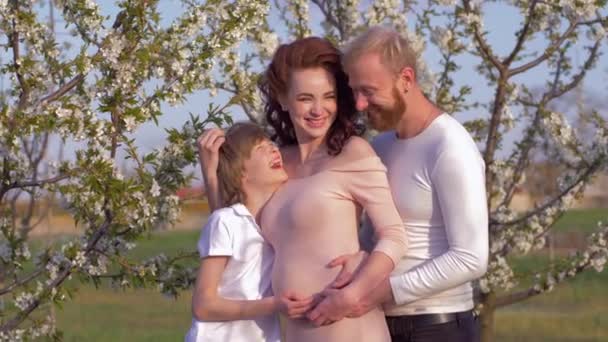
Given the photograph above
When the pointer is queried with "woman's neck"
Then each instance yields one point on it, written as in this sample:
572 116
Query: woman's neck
311 149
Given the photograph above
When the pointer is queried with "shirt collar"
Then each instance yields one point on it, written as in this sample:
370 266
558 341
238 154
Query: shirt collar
241 210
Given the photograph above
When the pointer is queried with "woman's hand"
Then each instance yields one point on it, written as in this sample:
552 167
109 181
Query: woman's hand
293 305
350 265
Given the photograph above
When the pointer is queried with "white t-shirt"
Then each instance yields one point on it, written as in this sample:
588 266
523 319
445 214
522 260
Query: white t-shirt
437 179
233 232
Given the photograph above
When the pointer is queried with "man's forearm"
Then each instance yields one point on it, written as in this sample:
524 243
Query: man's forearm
446 271
376 269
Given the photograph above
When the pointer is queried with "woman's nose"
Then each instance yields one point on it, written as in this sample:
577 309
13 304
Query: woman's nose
317 108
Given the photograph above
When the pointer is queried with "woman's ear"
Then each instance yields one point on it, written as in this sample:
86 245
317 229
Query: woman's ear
283 102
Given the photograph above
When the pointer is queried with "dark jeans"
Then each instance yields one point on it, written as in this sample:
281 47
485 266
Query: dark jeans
463 329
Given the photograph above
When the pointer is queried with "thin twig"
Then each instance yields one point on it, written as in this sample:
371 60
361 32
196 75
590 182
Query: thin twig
546 54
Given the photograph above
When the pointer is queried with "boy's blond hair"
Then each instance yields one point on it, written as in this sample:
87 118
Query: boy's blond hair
395 51
240 140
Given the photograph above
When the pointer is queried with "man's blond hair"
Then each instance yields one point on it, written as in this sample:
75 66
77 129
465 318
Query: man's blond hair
395 51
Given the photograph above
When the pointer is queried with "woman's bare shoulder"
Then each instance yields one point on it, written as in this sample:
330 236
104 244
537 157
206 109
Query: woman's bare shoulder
357 148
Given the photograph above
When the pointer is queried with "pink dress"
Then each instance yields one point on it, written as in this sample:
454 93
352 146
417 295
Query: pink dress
313 219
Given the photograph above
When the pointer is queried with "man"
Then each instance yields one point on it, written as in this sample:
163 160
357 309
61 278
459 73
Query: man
436 175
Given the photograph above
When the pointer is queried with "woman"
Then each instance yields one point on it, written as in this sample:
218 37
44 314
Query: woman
333 176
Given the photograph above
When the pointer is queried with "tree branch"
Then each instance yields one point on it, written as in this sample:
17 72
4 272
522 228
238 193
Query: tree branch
590 170
20 282
593 55
41 182
481 43
333 20
546 54
63 90
20 317
521 37
14 39
516 297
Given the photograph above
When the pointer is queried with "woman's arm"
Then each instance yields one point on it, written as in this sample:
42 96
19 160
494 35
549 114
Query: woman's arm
208 305
208 154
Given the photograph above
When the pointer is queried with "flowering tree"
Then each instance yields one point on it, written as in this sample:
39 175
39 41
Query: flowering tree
549 35
124 68
130 64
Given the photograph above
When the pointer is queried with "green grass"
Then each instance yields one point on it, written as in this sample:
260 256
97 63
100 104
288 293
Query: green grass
584 220
107 314
574 311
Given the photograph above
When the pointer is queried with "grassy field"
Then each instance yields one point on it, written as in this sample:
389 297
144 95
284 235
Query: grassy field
584 220
576 311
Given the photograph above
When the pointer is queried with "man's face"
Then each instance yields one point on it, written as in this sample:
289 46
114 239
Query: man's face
376 91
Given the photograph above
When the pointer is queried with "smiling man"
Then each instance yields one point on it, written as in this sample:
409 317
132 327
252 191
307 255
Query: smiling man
436 175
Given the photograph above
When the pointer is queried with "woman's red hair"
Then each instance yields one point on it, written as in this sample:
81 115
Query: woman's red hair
311 52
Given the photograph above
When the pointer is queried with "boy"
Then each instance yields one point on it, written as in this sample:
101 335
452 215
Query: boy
232 299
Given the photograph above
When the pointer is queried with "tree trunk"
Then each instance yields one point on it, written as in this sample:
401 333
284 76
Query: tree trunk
487 318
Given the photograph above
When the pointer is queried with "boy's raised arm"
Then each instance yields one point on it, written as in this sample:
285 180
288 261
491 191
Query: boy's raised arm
208 154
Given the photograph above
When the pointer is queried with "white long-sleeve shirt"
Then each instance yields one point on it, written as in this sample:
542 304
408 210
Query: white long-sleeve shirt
437 179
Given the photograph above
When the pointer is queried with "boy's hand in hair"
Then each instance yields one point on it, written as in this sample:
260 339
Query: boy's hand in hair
208 154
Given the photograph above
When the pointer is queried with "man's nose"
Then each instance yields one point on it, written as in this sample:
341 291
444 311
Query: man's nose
361 102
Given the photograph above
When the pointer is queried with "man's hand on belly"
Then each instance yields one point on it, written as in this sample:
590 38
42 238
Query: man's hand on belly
338 304
334 306
350 264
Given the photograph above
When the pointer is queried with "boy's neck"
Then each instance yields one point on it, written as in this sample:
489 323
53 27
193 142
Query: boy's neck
257 199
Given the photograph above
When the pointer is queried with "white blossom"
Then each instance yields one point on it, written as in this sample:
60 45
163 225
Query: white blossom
24 300
130 123
155 190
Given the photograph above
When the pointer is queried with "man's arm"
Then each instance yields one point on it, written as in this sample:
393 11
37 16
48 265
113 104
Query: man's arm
458 179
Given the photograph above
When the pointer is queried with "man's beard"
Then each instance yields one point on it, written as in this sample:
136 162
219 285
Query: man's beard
385 118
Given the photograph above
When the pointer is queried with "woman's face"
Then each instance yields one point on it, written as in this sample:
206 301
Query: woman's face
311 101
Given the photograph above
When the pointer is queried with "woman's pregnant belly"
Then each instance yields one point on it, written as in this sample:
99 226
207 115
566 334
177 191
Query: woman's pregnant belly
302 269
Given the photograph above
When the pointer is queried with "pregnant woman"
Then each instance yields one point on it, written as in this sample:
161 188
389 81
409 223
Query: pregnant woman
333 176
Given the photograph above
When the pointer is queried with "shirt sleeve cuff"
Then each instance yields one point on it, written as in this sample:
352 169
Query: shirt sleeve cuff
392 249
203 253
400 292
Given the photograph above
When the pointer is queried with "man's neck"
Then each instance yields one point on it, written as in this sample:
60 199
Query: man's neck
418 116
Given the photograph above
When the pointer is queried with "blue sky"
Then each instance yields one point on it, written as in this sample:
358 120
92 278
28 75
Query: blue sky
501 20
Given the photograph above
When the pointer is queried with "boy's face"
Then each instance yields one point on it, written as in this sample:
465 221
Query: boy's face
265 165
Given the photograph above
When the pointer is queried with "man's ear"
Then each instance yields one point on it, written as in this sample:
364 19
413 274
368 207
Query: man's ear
407 79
